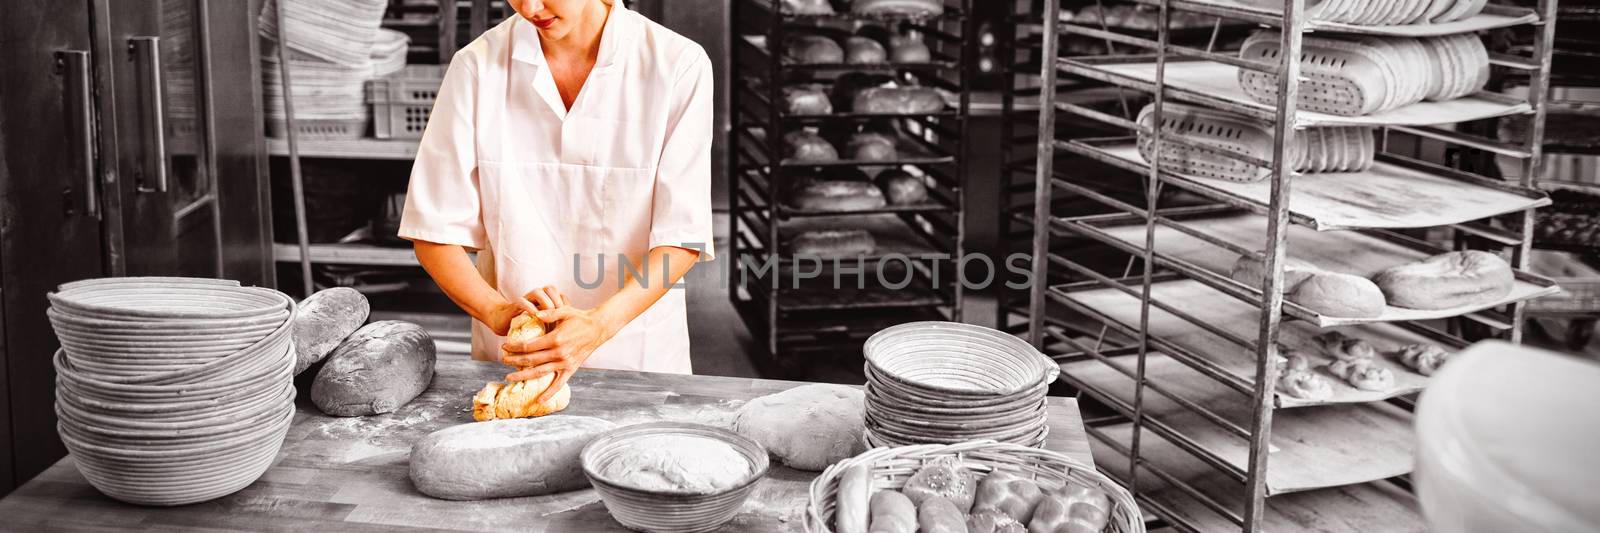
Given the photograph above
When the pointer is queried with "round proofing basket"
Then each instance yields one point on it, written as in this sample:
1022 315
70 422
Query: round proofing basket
205 477
891 467
158 299
959 361
260 358
663 511
884 388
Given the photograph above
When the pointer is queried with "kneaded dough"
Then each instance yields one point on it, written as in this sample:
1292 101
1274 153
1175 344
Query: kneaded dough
807 427
505 458
677 463
516 400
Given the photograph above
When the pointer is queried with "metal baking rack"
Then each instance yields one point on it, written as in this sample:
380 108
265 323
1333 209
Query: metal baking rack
1183 354
794 321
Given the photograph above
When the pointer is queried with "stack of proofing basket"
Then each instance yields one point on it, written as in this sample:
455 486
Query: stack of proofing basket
945 382
172 391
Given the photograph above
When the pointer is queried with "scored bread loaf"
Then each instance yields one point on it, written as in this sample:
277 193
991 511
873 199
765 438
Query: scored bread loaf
838 195
833 243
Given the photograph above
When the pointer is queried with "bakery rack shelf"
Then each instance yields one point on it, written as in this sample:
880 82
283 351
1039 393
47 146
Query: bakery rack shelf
369 149
1204 435
348 254
870 247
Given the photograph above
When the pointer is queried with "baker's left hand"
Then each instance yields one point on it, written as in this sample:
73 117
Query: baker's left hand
574 335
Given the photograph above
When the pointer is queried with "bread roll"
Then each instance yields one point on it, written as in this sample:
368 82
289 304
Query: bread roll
871 146
1305 385
903 49
1447 280
852 511
807 7
1012 496
1423 358
898 101
892 512
504 458
940 515
1339 346
1076 509
839 196
807 147
1363 374
1339 295
812 49
806 100
862 50
992 521
944 478
827 244
901 188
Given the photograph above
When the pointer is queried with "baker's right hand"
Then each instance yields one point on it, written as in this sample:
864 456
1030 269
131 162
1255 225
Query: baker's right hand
543 298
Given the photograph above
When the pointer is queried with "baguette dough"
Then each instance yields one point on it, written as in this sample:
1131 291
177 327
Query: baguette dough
677 463
504 458
807 427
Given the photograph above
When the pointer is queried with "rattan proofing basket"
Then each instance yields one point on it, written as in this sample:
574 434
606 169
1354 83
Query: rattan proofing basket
891 467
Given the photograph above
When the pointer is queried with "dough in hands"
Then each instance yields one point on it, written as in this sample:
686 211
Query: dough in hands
516 400
807 427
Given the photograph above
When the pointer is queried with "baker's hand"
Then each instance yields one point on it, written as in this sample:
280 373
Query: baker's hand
547 297
574 335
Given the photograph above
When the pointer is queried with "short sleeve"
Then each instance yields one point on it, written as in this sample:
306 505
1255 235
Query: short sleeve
442 201
681 210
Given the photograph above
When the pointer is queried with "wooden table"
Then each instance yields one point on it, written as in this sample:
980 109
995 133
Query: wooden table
351 474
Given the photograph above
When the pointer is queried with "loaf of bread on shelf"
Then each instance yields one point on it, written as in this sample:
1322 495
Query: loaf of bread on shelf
812 49
897 101
902 188
1339 295
806 100
862 50
1448 280
805 146
1353 75
838 195
1363 374
897 7
1423 358
827 244
871 146
1252 272
807 7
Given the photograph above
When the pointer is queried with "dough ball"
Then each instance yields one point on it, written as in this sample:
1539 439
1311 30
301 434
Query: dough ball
677 463
808 427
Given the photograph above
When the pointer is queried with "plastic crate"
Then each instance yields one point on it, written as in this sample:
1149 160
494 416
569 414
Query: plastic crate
401 101
319 129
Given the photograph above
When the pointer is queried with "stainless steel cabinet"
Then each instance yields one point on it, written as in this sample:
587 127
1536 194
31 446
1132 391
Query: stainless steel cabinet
129 145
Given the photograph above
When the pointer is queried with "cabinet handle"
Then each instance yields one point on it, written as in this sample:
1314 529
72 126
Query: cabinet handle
73 66
147 52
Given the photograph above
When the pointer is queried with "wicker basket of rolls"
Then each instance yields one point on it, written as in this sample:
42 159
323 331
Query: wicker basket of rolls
983 485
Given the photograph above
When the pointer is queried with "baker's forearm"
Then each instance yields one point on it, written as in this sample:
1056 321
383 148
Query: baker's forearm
453 271
666 267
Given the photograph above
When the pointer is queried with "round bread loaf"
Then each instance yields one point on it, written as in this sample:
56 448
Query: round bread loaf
871 146
325 319
504 458
901 187
806 100
807 147
898 7
381 367
1447 280
807 427
812 49
859 50
898 100
1339 295
903 49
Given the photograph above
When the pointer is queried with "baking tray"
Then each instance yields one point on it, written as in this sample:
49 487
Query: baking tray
1342 251
1386 196
1217 84
1493 16
1310 448
1172 333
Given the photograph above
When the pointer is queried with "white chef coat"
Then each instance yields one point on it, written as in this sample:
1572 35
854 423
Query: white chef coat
546 194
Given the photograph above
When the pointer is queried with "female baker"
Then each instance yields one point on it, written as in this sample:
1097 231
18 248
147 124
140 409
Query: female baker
571 147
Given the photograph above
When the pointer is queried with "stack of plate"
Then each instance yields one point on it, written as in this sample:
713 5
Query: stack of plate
172 391
945 382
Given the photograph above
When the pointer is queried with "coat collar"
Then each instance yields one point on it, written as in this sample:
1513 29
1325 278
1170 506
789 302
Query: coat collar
617 36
